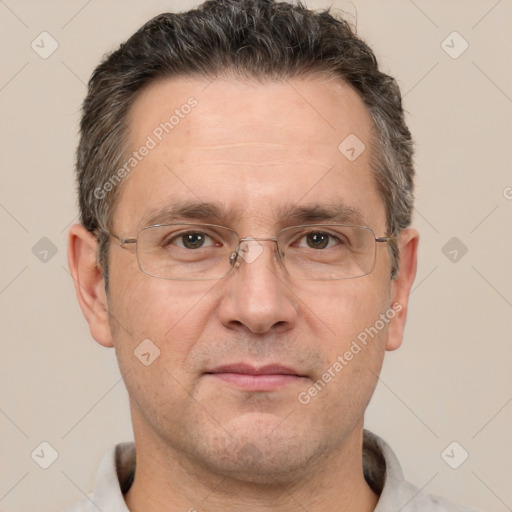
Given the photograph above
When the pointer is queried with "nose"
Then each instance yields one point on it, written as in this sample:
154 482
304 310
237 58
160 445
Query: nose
257 297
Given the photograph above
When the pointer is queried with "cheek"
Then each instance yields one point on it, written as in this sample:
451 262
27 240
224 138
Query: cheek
354 349
343 309
161 323
171 314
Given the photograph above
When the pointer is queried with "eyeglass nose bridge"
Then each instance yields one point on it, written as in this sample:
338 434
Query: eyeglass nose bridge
249 250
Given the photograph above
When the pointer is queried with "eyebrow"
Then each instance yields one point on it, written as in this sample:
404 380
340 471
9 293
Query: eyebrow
324 212
217 213
187 211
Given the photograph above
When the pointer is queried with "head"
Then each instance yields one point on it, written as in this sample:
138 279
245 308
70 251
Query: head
243 108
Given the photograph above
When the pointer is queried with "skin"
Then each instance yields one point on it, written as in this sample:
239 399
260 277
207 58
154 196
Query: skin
201 442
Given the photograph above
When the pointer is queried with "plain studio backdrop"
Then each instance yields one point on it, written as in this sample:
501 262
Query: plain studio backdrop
444 400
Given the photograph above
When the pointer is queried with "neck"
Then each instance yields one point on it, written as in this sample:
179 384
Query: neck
167 480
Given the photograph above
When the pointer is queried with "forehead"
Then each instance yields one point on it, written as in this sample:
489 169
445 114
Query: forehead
249 145
231 110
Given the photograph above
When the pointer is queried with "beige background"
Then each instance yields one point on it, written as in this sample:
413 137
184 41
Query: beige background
451 379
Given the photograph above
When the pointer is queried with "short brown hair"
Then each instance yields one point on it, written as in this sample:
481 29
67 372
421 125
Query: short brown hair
261 39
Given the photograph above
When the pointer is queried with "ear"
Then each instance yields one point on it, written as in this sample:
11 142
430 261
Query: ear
89 283
401 286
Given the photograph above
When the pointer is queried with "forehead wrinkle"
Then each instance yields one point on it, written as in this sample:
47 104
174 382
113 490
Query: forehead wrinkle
251 163
236 145
218 154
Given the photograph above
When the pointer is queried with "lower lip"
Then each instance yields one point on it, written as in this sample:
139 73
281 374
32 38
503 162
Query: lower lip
268 382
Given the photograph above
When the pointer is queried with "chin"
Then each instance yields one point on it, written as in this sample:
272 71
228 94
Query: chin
264 457
252 465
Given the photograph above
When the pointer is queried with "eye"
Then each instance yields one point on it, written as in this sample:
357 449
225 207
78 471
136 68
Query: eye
318 240
192 240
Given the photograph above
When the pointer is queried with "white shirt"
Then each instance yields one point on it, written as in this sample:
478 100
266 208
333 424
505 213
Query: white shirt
381 467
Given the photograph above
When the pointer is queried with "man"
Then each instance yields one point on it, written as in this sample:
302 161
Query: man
246 180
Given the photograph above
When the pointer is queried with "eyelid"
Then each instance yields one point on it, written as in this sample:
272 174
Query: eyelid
214 238
181 232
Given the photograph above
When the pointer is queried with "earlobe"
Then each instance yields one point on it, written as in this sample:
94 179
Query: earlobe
401 286
89 283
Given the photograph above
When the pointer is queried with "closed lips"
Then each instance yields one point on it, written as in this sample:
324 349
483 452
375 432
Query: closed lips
242 368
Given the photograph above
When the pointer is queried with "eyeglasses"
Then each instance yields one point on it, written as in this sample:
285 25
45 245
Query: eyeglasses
206 251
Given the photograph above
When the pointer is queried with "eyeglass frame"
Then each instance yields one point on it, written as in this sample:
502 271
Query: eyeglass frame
234 258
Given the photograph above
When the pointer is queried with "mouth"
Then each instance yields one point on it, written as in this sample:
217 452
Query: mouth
257 378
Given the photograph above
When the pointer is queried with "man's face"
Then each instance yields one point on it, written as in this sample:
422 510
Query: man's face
257 152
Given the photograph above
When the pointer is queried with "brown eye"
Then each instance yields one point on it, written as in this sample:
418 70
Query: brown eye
193 240
317 240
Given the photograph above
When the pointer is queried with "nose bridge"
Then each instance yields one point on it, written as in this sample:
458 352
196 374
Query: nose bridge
258 299
250 249
259 239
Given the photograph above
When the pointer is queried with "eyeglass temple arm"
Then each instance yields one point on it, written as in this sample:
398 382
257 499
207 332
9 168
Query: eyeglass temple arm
122 241
384 239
